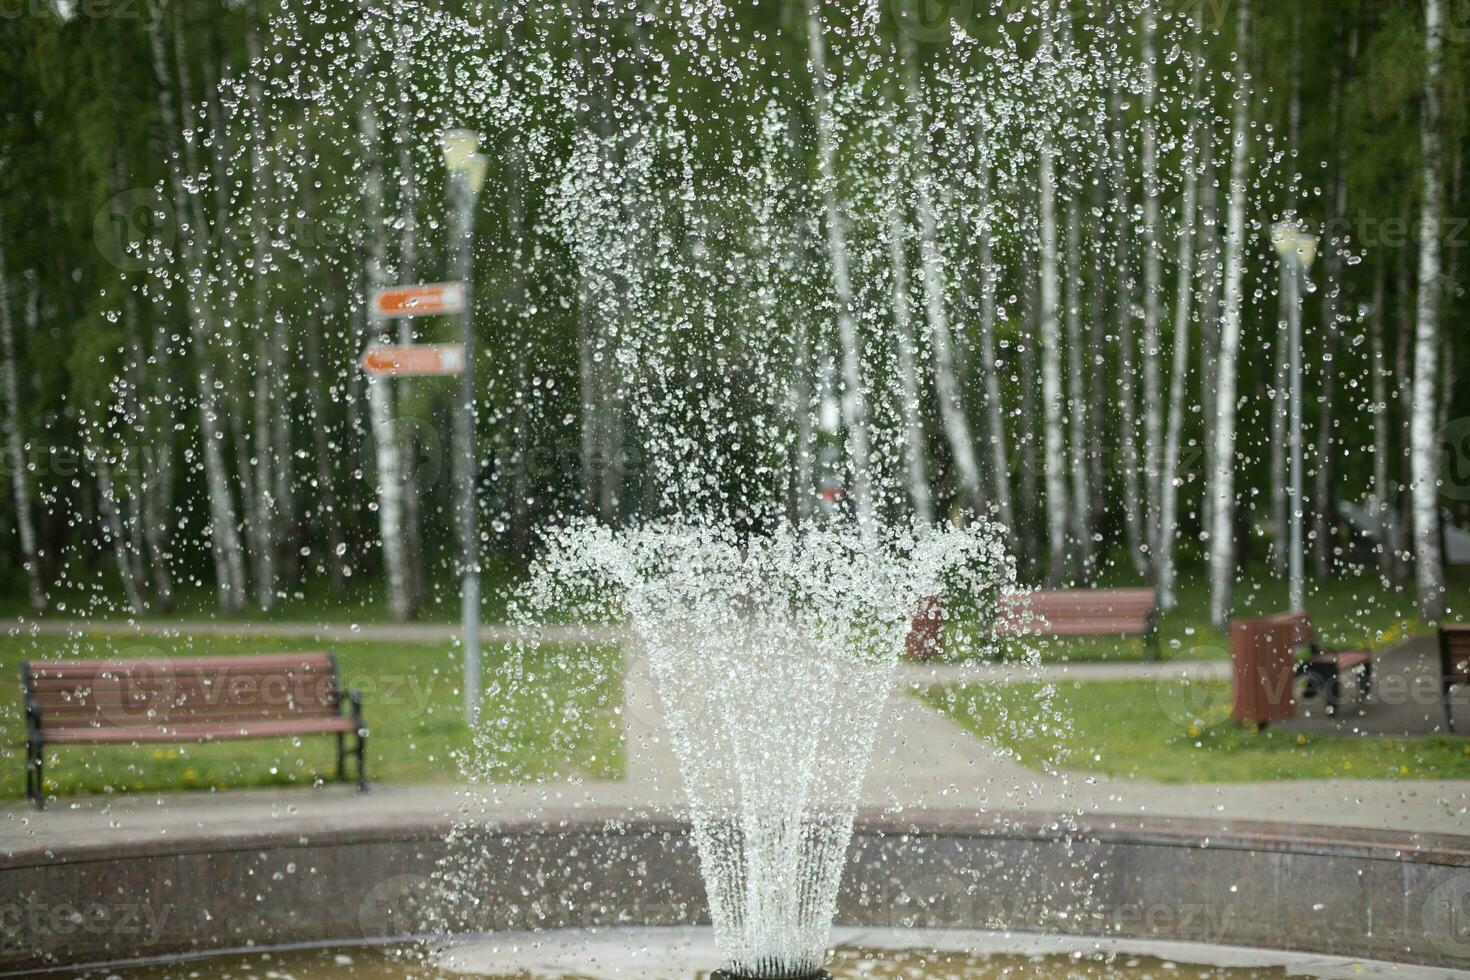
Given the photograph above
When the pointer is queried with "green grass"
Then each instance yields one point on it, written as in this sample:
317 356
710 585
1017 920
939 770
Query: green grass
553 712
80 592
1351 610
1178 732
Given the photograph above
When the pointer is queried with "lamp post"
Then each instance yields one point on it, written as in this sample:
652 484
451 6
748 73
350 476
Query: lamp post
466 167
1296 250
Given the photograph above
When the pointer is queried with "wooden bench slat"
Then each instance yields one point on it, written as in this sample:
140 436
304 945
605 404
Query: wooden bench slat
203 732
144 713
244 663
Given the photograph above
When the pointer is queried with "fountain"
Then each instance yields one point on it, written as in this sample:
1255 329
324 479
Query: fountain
773 654
732 198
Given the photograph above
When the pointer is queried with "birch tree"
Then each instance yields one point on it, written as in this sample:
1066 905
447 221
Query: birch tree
15 447
1123 324
989 367
224 535
915 458
380 396
1153 407
1222 480
947 389
852 400
1178 375
1424 437
1051 356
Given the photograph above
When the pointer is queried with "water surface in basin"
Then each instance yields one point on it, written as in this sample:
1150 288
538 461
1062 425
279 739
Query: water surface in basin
647 958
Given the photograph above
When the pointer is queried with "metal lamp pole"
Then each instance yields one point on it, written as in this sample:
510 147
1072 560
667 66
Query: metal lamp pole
1296 250
466 168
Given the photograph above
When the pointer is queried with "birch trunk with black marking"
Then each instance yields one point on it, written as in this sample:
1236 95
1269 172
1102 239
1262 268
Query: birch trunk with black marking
15 449
916 466
1222 479
224 536
1123 311
379 394
1178 376
1153 407
952 414
1050 340
1000 463
1424 439
851 399
1079 406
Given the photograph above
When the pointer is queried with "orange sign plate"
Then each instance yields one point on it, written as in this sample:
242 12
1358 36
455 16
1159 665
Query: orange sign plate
427 300
408 360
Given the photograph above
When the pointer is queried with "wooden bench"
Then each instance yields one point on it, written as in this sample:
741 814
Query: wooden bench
1454 666
1322 670
195 699
1081 612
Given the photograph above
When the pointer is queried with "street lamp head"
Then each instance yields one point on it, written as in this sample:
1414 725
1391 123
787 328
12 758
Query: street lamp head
1289 238
460 146
463 157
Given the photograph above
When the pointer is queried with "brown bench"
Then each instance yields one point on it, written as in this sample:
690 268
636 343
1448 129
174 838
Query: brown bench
194 699
1322 670
1081 612
1454 665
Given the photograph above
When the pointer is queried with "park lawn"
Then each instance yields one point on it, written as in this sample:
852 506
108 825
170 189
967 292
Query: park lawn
1177 732
559 717
1351 610
82 592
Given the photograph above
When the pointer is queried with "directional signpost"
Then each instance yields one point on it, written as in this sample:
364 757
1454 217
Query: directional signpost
413 360
430 299
429 360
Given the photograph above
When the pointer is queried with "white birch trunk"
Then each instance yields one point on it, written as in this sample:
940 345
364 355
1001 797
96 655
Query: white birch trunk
915 459
1128 410
1178 375
1222 480
1211 281
1051 371
952 415
107 503
224 535
1424 439
852 400
1153 287
1000 463
1079 408
380 398
15 449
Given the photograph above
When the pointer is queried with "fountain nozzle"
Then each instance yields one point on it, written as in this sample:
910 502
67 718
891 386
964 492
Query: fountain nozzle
727 975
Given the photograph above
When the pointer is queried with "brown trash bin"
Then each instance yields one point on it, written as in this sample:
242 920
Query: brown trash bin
926 634
1263 661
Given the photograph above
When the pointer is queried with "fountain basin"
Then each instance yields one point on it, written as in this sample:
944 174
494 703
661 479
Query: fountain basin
1376 895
